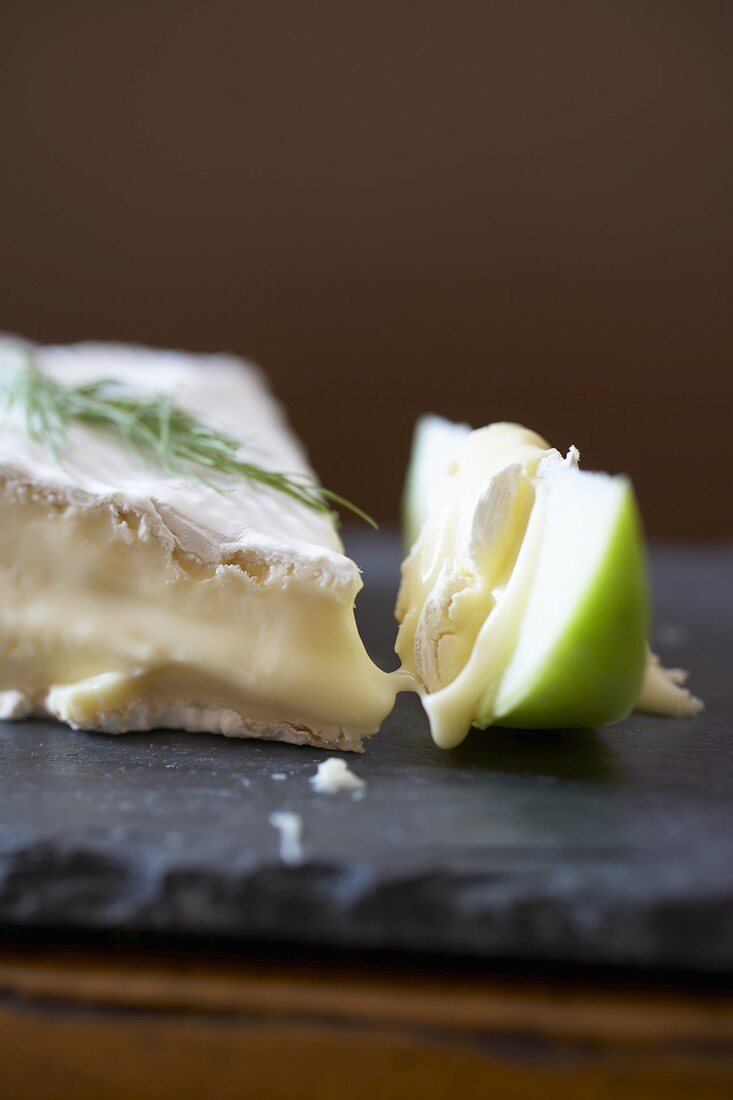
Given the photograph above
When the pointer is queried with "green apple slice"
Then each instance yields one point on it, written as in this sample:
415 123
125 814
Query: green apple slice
436 442
564 644
523 601
580 649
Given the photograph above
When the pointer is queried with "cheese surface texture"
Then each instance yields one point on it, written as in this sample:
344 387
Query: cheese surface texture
133 599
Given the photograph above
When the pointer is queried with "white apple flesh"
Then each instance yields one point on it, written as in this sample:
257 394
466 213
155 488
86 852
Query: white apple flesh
434 443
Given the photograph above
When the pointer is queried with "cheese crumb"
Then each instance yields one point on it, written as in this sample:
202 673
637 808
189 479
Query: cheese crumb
290 828
334 775
14 705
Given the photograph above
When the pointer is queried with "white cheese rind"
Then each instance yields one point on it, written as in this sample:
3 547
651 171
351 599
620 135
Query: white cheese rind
221 390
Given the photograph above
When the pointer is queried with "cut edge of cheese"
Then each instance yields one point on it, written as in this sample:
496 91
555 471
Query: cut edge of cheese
134 600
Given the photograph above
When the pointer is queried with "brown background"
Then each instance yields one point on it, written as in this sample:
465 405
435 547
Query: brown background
493 210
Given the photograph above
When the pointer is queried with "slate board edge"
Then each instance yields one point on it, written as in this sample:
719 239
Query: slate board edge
344 907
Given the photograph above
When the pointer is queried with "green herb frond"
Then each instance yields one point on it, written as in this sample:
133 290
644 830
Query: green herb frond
152 428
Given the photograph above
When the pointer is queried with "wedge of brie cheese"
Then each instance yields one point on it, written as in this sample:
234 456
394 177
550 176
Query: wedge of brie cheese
133 599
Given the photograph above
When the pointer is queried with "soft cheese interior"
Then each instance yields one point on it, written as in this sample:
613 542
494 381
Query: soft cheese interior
135 600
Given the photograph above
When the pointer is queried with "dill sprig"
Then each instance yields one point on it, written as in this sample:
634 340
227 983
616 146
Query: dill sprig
153 428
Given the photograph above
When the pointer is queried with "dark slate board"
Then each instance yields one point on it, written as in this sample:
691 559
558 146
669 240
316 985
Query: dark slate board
604 847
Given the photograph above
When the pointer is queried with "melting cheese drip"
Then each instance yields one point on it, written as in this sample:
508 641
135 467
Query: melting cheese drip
457 573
